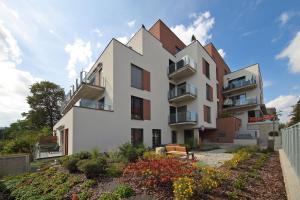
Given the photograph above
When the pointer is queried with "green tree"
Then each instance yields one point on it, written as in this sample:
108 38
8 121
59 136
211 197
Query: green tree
295 114
44 104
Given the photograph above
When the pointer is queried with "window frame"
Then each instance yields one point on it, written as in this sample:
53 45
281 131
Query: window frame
156 131
134 132
132 83
134 114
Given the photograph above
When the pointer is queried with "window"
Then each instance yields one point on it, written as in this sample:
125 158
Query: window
137 137
156 138
177 49
136 108
207 114
217 86
136 77
206 69
174 137
209 93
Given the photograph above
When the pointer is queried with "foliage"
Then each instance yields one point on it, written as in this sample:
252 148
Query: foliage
85 195
124 191
240 182
88 183
131 153
183 188
150 155
83 155
70 163
108 196
158 172
92 167
241 155
115 169
44 104
295 114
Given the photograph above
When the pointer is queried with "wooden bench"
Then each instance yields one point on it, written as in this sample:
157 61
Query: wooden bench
178 150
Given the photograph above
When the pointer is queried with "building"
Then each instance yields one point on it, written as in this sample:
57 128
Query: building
155 90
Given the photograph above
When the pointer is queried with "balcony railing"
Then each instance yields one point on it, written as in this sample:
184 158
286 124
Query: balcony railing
240 102
87 103
261 119
183 117
187 89
240 84
249 134
186 61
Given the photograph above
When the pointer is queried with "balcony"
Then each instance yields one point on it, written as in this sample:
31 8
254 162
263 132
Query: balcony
230 104
240 86
87 103
183 118
182 93
261 119
183 68
84 88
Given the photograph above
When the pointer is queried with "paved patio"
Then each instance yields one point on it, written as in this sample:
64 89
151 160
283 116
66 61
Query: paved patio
214 158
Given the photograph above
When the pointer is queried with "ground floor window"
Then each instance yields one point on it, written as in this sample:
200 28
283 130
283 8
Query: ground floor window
156 138
174 137
137 137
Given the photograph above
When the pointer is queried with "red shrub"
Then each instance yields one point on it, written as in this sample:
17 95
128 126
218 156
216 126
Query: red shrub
155 172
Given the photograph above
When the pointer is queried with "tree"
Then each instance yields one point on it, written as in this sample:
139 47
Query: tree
44 104
295 114
193 38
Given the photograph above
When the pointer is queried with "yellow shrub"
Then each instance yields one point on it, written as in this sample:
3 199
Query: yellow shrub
183 188
212 177
151 155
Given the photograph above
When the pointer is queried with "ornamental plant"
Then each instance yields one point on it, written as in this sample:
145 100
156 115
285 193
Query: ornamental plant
158 172
183 188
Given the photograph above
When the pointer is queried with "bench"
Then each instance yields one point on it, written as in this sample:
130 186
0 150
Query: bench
179 150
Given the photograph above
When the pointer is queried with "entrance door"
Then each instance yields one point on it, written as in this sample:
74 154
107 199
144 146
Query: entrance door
189 136
66 140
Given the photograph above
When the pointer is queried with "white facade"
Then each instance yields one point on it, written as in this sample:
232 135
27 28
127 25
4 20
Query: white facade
106 130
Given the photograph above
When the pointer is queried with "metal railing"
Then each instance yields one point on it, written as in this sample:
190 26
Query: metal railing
186 60
180 117
240 102
291 146
239 84
87 103
180 91
247 134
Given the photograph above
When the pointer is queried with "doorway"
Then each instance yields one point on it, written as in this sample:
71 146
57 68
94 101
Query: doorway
188 136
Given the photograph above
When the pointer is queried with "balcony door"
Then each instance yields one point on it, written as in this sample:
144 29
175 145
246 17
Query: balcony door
172 114
181 113
181 88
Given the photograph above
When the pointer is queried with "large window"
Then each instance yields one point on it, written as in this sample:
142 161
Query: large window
207 114
136 108
156 138
206 68
136 77
209 93
137 137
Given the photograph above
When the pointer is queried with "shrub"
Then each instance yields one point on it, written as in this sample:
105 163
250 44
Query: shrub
108 196
130 153
124 191
115 169
93 167
88 183
150 155
85 195
241 155
70 163
183 188
240 182
83 155
152 173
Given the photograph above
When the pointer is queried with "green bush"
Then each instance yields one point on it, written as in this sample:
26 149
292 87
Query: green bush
85 195
83 155
70 163
130 153
115 169
93 167
124 191
108 196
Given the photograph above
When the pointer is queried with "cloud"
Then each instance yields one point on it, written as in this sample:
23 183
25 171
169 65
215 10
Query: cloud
284 104
99 45
267 83
245 34
14 83
123 39
222 53
292 52
80 56
200 27
287 16
98 32
131 23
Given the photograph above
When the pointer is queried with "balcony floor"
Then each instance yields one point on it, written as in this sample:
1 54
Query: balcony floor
239 89
185 97
183 123
182 72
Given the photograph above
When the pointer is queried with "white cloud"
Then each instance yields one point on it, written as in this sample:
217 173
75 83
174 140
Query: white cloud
284 104
80 55
267 83
222 53
292 52
98 32
14 83
200 27
284 18
131 23
123 39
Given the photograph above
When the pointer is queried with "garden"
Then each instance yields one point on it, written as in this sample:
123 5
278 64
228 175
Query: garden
140 173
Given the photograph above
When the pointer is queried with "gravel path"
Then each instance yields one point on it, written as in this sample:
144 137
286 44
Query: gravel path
214 158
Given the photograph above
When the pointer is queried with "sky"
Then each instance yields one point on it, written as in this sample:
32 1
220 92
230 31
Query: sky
55 40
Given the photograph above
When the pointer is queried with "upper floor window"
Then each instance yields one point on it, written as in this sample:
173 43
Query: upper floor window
177 49
207 114
206 68
136 77
209 93
137 137
136 108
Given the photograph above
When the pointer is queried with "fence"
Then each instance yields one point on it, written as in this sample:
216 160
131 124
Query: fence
14 164
291 146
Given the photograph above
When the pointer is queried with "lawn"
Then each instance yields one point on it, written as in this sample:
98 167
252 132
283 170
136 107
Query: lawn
137 173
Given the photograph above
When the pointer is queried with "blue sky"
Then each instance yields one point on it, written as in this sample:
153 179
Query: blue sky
54 40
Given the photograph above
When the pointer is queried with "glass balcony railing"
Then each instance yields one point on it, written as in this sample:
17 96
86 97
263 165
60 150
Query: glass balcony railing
183 117
182 90
185 61
87 103
240 102
240 84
